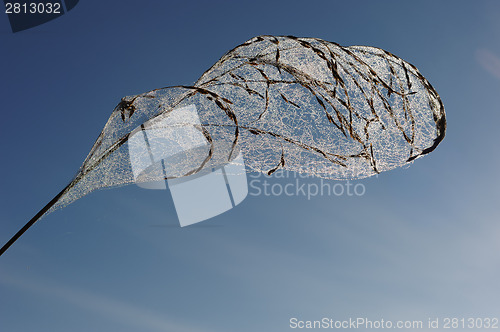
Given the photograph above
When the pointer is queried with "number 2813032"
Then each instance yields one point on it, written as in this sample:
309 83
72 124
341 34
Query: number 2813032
32 8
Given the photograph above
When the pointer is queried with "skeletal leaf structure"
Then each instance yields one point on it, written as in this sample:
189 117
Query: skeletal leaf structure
300 104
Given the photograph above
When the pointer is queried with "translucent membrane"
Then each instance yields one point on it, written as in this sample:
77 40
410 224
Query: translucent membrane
301 104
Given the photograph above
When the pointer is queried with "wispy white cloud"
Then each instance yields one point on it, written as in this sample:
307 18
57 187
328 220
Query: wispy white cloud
115 310
489 61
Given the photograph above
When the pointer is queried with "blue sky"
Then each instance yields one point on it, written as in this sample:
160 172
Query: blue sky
421 242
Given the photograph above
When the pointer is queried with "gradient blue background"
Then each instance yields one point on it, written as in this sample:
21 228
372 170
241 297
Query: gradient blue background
422 242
